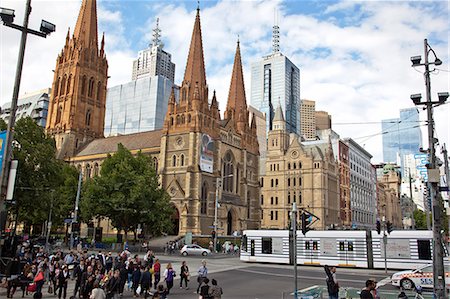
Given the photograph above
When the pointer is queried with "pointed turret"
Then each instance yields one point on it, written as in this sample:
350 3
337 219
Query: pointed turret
195 66
102 47
236 97
278 120
85 32
215 106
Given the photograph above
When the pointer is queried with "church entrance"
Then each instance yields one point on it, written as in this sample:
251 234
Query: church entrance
175 222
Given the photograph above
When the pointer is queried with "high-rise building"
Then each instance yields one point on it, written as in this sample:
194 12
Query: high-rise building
76 112
275 80
401 136
32 104
323 120
154 61
140 105
308 119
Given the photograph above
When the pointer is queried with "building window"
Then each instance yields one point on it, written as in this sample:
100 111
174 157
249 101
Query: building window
262 199
295 165
83 85
204 197
63 85
91 87
182 160
228 172
276 182
56 87
174 160
293 181
271 183
289 166
289 197
88 118
271 215
262 182
267 245
99 90
289 182
59 114
96 169
299 165
155 163
68 84
88 171
276 215
276 200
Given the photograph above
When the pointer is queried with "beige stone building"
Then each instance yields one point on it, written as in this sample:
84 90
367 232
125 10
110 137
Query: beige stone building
388 196
323 120
195 148
308 119
295 172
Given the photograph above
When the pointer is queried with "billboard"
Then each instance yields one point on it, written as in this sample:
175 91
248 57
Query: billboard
206 153
2 147
421 162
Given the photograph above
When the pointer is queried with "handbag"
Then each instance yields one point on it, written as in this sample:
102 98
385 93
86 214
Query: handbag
32 287
50 289
138 290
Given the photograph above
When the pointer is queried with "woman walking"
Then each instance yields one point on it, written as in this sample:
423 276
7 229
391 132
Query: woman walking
184 275
169 274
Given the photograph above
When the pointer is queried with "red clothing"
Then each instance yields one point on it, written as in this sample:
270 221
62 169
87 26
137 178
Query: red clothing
157 267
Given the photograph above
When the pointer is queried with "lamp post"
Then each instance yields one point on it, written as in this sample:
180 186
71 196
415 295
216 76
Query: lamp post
433 171
7 17
216 207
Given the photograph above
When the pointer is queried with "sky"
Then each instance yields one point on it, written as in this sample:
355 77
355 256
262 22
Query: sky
354 56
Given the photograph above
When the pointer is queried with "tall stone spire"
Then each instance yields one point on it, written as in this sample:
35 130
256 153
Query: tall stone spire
86 28
236 97
195 66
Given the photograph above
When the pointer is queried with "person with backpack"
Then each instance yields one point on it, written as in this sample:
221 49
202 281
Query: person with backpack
169 275
332 283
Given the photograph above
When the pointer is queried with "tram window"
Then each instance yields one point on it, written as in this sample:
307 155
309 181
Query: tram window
307 246
350 246
267 245
424 249
244 243
315 245
341 246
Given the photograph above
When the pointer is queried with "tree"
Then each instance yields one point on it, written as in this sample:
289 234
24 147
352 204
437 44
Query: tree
420 219
3 125
128 193
42 181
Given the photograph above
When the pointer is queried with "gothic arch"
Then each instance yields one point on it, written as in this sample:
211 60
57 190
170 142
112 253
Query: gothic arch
83 85
175 218
99 90
228 171
68 84
232 221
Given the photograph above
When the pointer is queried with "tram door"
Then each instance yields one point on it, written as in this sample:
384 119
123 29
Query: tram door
312 250
346 251
252 247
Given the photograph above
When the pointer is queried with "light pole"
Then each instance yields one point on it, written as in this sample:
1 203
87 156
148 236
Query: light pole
433 172
216 207
7 17
75 214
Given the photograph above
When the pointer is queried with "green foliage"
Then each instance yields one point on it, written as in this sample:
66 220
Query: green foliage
41 178
3 125
420 219
128 193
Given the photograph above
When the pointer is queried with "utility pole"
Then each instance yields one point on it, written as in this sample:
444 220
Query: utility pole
447 178
294 252
433 172
385 243
77 201
412 201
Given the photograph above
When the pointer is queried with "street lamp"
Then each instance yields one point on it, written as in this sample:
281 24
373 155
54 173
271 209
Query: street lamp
7 17
216 207
433 171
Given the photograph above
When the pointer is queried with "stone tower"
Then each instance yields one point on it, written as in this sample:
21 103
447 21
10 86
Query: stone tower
76 111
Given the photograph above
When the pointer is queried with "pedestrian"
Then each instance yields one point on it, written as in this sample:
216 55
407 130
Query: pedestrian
161 292
88 287
204 289
97 292
63 278
202 274
136 278
332 283
146 282
109 262
39 279
169 275
113 286
215 292
157 272
366 292
184 275
78 273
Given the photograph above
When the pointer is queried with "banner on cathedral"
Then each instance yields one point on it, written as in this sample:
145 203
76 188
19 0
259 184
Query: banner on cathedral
207 153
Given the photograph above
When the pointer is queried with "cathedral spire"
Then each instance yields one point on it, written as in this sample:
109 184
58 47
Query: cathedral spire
85 31
236 97
195 66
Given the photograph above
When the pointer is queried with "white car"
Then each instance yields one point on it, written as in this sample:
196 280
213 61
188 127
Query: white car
422 276
194 249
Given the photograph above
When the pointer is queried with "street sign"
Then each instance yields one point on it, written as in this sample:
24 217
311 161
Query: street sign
68 220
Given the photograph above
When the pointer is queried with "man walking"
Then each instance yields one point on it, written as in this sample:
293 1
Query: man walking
332 283
202 274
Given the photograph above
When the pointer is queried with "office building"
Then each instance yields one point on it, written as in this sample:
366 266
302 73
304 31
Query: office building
154 61
308 119
275 80
32 104
323 120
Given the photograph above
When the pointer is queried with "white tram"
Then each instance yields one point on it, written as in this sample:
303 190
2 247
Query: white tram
405 249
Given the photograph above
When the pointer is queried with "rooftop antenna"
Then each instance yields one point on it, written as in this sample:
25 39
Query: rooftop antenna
156 41
275 34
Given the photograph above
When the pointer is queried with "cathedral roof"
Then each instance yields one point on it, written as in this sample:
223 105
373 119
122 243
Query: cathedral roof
86 28
135 141
278 114
236 95
195 66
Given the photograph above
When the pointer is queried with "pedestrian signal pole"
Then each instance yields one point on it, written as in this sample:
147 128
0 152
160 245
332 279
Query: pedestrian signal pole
294 231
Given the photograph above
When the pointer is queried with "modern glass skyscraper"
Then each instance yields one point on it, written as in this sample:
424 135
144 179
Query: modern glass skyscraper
401 136
276 81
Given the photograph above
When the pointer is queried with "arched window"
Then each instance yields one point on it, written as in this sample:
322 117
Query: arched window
262 182
174 160
289 197
88 118
83 85
62 88
91 87
262 199
68 84
289 165
289 182
96 169
56 87
182 160
59 114
171 121
88 171
295 165
99 90
299 165
189 118
178 120
155 163
204 199
228 172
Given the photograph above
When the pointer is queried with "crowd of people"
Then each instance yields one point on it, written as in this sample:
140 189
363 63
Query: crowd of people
99 275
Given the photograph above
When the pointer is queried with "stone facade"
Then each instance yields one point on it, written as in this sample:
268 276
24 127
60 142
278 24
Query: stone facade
301 173
195 149
388 196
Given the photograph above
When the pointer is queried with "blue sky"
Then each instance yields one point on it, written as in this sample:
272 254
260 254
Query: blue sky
353 55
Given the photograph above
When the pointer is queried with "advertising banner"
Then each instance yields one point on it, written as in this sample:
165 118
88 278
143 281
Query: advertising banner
2 147
206 153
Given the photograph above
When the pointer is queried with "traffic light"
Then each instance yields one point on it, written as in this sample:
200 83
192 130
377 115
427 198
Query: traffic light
378 226
389 227
75 227
213 234
306 222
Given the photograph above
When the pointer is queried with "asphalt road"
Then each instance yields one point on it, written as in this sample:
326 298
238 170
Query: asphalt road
256 281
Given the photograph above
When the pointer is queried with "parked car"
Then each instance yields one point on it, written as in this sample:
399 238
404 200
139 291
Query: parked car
194 249
422 276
